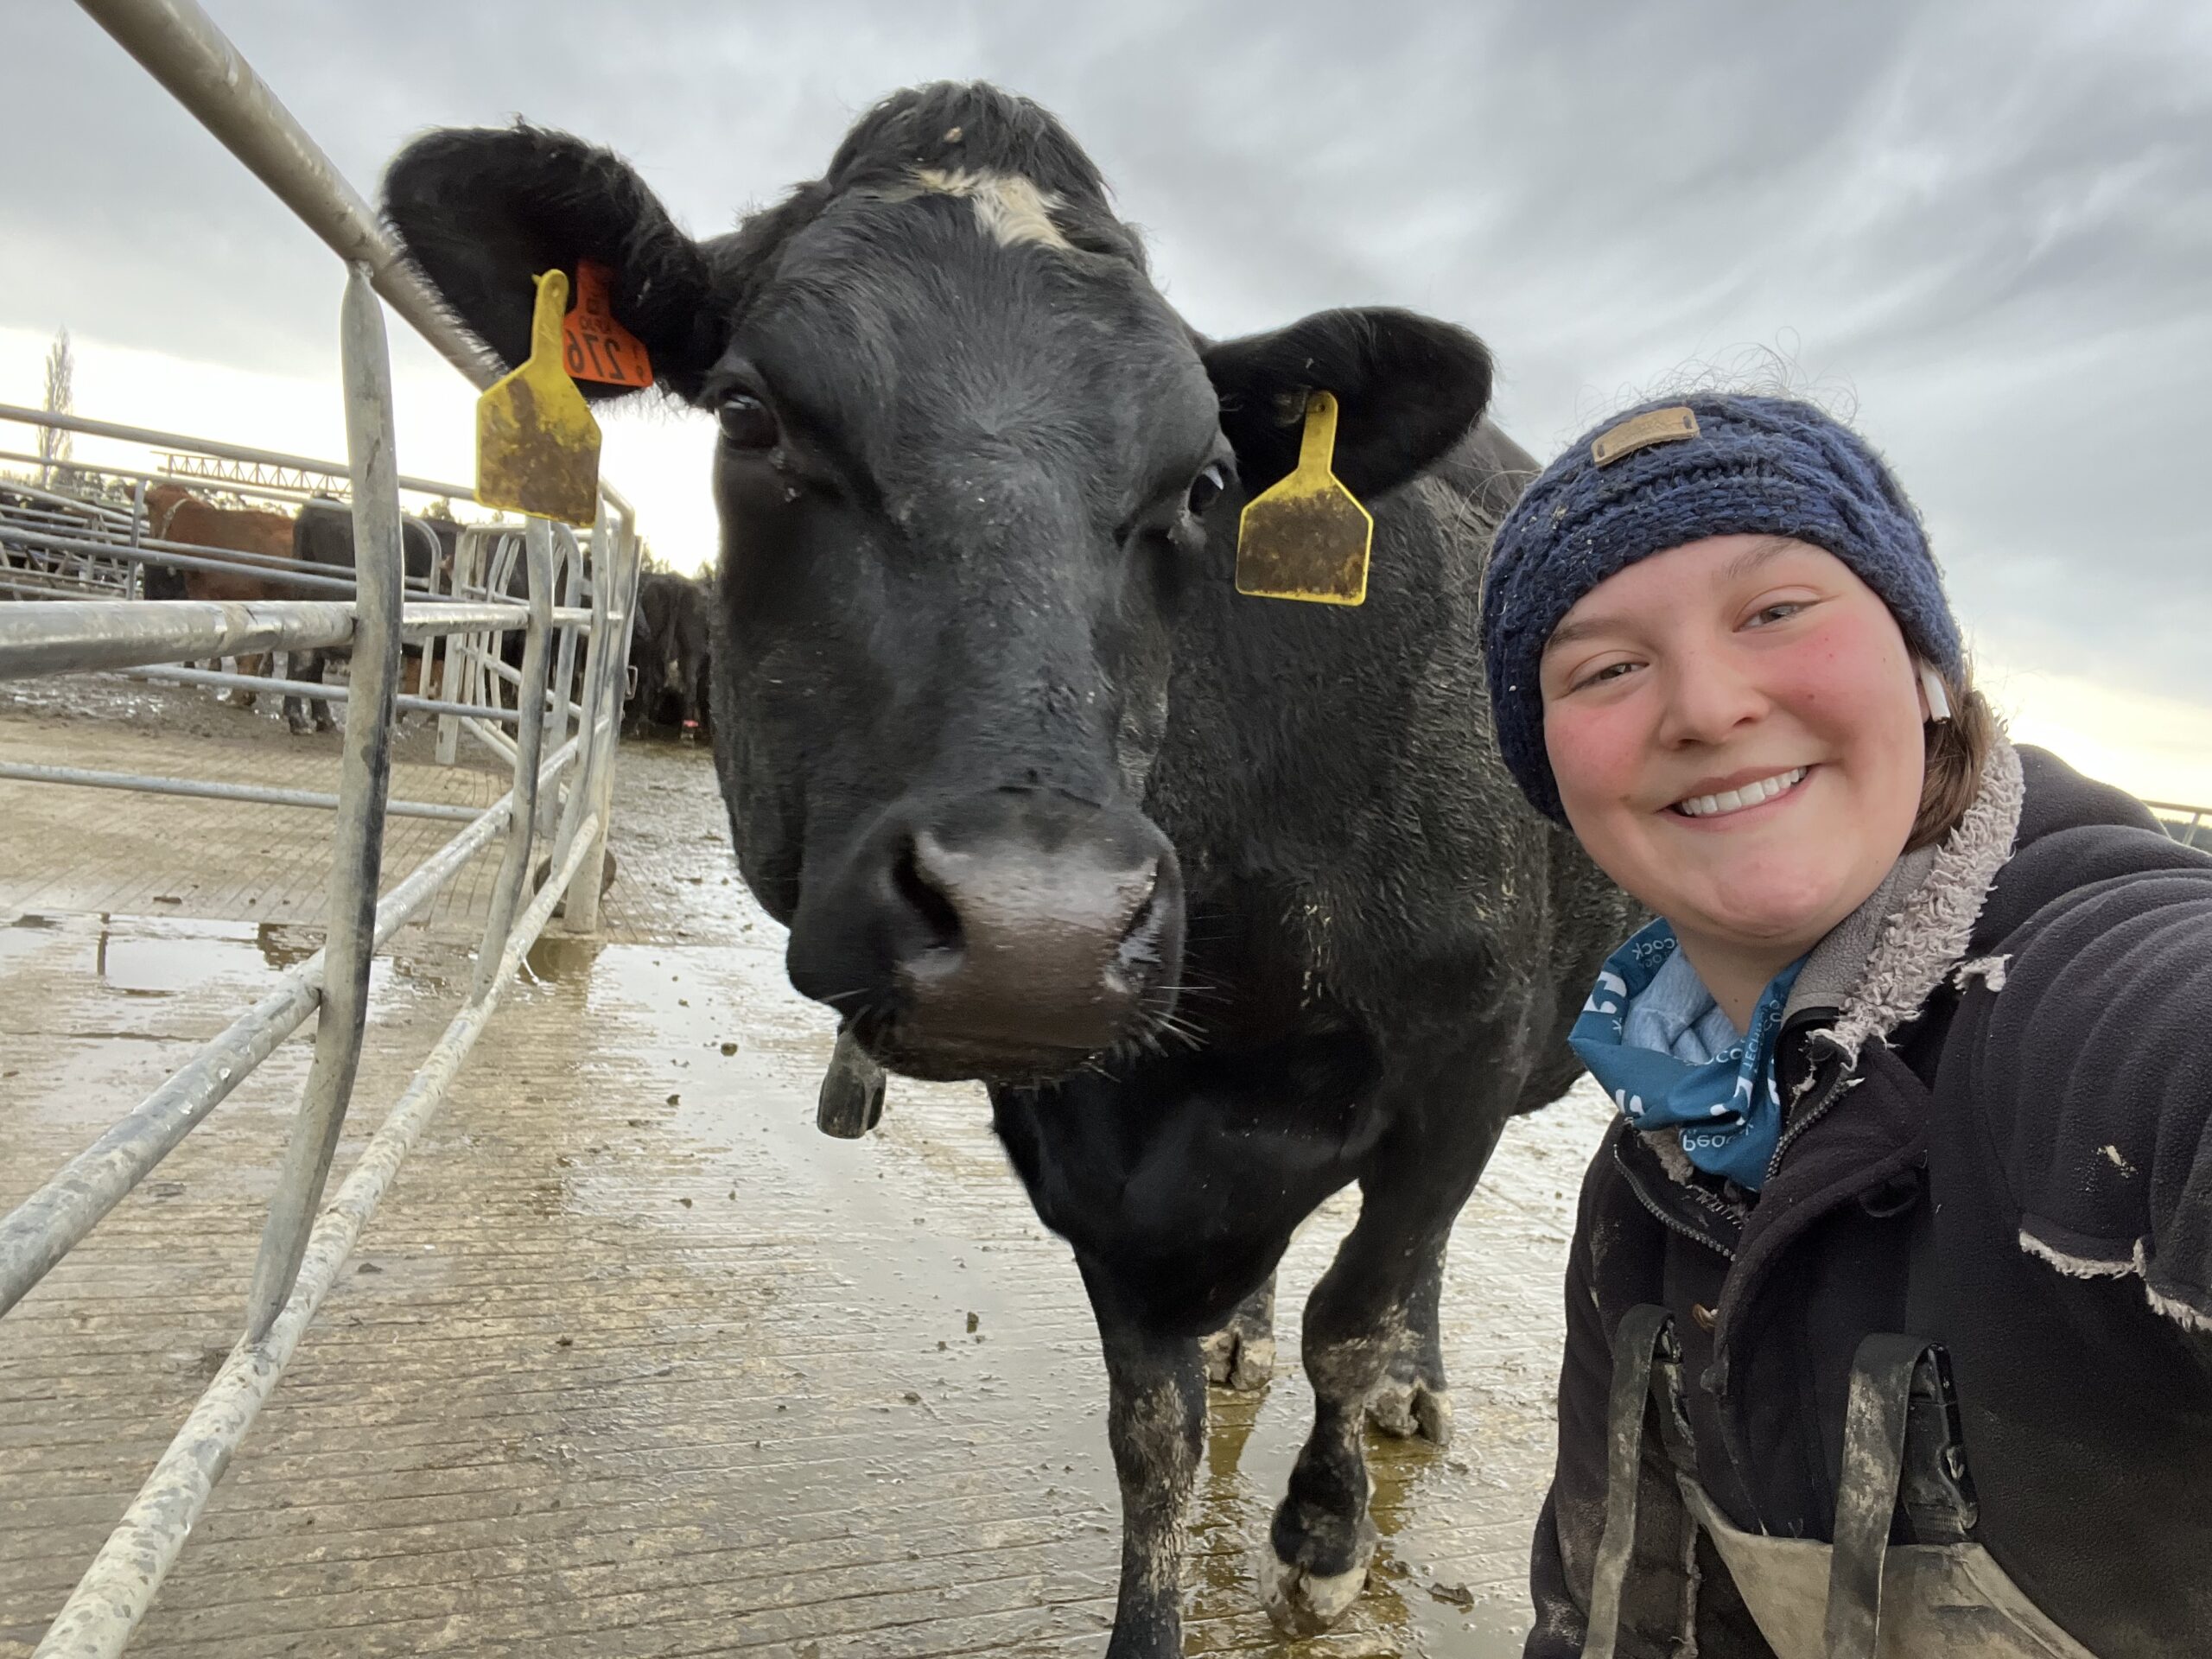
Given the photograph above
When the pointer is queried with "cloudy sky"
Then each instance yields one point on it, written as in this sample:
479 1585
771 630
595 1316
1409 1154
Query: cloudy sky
1985 230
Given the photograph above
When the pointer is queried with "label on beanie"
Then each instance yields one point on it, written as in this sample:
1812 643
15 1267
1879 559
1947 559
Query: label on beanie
1641 432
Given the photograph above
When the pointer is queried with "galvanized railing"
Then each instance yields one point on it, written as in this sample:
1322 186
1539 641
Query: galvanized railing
301 1252
59 544
2190 825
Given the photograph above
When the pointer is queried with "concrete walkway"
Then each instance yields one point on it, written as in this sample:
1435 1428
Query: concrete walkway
632 1361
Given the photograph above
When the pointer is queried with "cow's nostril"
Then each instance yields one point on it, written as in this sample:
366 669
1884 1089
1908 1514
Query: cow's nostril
1137 954
923 898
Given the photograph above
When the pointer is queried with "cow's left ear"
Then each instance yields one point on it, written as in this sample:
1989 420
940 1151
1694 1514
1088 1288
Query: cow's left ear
1407 388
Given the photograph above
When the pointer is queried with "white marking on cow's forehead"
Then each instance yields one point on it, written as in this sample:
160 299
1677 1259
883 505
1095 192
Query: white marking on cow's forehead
1010 208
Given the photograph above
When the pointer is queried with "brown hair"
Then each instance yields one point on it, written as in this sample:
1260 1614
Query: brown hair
1958 749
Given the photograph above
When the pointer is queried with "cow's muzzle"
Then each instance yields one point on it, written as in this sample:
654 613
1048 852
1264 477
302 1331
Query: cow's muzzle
1006 935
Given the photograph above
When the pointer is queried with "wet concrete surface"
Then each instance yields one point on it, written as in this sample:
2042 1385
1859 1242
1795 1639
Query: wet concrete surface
634 1361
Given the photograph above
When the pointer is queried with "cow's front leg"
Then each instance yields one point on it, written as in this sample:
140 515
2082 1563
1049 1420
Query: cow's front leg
1241 1354
306 668
1362 1322
1156 1422
255 667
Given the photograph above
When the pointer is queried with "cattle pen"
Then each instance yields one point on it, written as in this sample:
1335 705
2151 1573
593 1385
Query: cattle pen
303 1245
630 1360
625 1358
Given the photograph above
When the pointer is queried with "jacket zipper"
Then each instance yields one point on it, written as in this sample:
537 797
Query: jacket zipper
1811 1116
1681 1227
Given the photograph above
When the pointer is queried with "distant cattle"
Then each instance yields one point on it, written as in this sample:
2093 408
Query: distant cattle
322 537
175 514
668 656
514 588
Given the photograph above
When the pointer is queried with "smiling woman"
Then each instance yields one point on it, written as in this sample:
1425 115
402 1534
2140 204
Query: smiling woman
1915 1043
1752 842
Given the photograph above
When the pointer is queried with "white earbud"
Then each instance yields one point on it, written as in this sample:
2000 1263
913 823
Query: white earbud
1931 687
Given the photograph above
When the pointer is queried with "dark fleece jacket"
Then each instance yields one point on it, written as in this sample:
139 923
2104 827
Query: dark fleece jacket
2048 1086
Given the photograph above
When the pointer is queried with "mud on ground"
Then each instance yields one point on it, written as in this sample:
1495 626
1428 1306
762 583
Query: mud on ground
632 1361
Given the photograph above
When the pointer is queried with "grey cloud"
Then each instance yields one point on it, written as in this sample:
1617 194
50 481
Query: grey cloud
1990 221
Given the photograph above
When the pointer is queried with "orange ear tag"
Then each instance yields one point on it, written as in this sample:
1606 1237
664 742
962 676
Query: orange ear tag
594 346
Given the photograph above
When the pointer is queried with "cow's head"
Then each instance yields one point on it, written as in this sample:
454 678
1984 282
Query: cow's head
972 469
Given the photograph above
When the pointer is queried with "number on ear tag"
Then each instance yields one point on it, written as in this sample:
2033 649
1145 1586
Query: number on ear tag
597 347
1308 537
537 443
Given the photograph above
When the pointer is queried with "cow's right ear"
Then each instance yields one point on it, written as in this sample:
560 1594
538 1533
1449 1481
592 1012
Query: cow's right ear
482 211
1407 388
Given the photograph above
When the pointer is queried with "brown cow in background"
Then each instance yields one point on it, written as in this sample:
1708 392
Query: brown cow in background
175 514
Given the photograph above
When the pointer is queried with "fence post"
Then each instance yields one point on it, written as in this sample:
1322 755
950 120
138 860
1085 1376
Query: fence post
134 580
467 549
529 732
349 941
614 585
564 667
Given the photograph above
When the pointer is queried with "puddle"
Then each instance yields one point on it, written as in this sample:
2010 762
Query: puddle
179 957
558 959
287 945
27 935
150 956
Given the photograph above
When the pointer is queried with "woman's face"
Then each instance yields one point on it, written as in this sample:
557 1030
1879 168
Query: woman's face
1736 728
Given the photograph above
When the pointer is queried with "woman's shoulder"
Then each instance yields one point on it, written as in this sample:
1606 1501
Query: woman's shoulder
2098 926
2084 1054
2082 845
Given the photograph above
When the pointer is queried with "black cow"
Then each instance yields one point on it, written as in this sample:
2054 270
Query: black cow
323 536
1229 900
670 656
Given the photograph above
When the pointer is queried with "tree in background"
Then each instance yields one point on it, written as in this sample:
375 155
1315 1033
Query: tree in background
54 472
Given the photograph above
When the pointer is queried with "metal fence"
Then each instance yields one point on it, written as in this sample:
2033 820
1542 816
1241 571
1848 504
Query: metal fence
97 538
561 789
2189 825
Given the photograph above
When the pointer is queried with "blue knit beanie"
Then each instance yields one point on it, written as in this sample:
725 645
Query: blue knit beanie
1678 471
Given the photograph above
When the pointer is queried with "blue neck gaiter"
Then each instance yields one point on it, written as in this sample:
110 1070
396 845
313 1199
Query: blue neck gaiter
1724 1104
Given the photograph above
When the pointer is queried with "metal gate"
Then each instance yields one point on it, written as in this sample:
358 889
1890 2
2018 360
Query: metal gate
564 794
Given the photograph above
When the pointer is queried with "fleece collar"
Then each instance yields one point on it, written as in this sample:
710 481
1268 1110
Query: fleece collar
1914 931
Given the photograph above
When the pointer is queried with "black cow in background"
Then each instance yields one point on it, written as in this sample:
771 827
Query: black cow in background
323 536
1229 901
670 659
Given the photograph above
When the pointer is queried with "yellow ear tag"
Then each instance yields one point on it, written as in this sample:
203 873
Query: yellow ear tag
537 443
1307 538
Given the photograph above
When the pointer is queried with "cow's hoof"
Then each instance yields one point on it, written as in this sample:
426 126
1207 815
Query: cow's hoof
1305 1603
1411 1407
1237 1360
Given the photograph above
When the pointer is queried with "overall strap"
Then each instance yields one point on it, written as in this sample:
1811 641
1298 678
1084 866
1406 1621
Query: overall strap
1647 1385
1937 1491
1901 1436
1900 1423
1866 1497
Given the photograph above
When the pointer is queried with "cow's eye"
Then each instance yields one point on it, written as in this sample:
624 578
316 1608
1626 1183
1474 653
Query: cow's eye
1206 487
746 423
